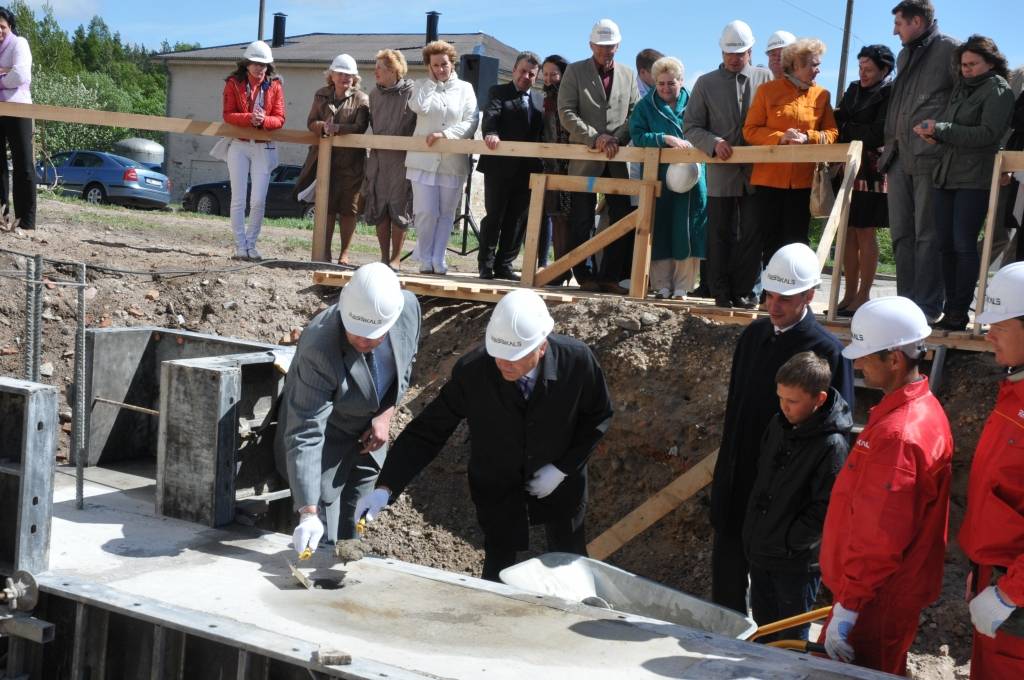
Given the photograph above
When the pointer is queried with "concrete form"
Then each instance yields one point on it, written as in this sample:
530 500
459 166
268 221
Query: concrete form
143 596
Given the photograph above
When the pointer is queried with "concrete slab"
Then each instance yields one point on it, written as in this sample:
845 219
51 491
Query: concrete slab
417 621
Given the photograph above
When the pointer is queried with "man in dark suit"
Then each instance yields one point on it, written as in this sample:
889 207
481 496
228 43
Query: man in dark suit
510 115
537 404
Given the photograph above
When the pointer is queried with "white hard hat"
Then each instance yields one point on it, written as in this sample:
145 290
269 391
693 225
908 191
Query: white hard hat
886 323
681 177
605 32
1004 297
344 64
793 269
518 325
779 39
259 52
371 302
736 37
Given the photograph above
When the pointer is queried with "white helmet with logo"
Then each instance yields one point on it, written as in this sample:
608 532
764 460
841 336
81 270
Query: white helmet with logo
886 323
779 39
681 177
605 32
518 325
736 37
259 52
343 63
793 269
1004 297
371 302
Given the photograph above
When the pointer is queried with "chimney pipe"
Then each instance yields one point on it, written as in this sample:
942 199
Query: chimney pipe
432 18
279 20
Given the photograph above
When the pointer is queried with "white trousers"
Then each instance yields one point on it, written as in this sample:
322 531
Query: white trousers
433 210
257 159
678 276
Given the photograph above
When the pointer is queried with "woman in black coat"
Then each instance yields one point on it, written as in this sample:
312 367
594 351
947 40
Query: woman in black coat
861 116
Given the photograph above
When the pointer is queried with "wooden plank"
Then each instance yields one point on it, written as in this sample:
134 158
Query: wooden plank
1013 161
321 248
641 268
837 225
790 153
603 185
986 249
582 251
654 508
534 223
506 148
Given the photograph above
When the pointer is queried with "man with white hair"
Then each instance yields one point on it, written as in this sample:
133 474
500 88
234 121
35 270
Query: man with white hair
536 404
884 540
773 50
349 372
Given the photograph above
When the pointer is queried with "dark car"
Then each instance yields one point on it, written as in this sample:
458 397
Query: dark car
100 177
214 198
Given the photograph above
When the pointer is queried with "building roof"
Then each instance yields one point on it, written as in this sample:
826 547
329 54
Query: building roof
321 48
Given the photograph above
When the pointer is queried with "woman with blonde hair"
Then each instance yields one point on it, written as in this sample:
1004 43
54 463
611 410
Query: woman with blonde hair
790 110
339 108
386 191
445 108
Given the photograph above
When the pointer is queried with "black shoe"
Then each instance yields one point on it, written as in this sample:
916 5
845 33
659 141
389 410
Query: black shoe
700 291
486 273
723 302
506 274
590 285
613 287
745 302
845 312
953 321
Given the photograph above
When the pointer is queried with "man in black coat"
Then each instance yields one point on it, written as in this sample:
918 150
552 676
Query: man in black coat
536 404
766 344
510 115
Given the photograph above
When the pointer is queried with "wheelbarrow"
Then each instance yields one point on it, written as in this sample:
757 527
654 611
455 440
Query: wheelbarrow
591 582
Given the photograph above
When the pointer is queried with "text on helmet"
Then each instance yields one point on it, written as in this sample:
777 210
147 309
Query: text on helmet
503 341
365 319
781 279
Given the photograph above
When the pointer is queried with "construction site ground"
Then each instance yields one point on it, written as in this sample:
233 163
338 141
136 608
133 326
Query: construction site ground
668 380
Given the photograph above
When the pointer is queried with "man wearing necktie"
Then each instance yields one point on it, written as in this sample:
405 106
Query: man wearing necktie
350 370
510 115
789 282
536 404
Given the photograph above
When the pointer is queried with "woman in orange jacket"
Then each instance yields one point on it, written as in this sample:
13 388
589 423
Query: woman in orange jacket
253 97
790 110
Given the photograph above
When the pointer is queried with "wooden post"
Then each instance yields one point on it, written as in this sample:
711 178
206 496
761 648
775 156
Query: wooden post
534 223
641 269
837 224
589 247
321 248
986 249
654 508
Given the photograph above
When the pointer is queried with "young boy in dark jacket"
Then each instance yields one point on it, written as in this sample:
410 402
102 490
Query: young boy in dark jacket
802 451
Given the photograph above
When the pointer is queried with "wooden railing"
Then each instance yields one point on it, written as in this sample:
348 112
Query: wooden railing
1006 161
640 220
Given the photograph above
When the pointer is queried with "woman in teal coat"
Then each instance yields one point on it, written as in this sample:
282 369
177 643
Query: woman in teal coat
680 219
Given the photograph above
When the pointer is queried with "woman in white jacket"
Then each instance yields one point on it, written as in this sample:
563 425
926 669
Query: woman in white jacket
445 108
16 133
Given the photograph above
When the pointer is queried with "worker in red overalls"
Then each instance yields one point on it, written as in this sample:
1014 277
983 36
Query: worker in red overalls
885 530
992 534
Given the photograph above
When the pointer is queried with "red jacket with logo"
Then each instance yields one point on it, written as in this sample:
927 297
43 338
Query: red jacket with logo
238 107
885 531
993 530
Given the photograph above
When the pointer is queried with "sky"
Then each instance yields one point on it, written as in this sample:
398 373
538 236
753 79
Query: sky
687 29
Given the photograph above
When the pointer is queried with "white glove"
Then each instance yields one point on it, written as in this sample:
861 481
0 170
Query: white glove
989 609
308 533
371 504
544 481
838 631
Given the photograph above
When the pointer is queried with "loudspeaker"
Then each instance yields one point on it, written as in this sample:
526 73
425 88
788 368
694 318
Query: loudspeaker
481 72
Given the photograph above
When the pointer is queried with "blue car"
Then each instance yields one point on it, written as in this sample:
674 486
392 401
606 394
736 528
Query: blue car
100 177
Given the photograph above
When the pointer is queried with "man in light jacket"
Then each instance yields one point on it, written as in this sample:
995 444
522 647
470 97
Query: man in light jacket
350 370
595 101
924 81
713 122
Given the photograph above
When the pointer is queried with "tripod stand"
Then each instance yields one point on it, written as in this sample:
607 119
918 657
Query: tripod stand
466 217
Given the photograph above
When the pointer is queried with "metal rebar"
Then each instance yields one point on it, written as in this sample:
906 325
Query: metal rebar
30 333
78 413
37 319
129 407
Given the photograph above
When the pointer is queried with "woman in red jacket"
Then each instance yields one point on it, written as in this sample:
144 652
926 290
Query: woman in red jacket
253 97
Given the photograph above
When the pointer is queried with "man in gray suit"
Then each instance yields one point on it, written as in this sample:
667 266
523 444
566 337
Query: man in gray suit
713 122
350 370
595 100
924 82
